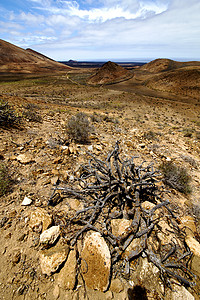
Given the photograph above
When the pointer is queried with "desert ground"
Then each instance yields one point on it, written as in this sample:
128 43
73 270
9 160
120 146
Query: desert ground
156 126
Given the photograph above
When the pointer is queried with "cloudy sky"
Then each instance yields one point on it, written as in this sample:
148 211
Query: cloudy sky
104 29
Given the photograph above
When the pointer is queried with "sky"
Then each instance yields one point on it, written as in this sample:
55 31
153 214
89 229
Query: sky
126 30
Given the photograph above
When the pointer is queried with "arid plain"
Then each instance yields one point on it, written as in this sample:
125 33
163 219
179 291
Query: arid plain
154 113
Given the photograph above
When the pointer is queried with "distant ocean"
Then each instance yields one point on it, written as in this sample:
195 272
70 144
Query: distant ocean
97 64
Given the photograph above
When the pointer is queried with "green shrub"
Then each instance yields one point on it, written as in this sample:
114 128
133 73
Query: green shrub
78 128
7 115
176 177
5 180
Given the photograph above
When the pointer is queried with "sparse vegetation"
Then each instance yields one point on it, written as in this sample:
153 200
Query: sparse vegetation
31 114
78 128
176 177
5 180
7 115
150 135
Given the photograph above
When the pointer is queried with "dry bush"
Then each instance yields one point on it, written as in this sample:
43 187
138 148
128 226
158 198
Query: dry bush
31 115
78 128
5 180
7 115
176 177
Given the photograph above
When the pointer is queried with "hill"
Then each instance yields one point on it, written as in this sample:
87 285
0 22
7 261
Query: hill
14 59
183 81
163 64
109 73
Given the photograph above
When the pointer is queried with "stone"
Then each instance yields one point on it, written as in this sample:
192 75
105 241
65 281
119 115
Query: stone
51 259
49 236
96 262
90 148
193 244
54 180
26 201
40 217
75 204
67 276
188 223
179 293
56 292
119 226
116 286
25 158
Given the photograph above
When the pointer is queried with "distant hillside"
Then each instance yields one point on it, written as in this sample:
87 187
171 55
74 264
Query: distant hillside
14 59
162 65
109 73
182 81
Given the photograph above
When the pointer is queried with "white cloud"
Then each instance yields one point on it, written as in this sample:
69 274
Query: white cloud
108 28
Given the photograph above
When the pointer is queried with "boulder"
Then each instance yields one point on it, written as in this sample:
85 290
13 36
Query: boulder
67 276
51 259
96 262
49 236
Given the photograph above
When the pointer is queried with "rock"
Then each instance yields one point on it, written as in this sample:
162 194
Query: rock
193 245
40 217
67 276
56 292
75 204
96 262
51 259
90 148
26 201
16 257
179 293
25 158
49 236
116 286
119 226
189 224
54 180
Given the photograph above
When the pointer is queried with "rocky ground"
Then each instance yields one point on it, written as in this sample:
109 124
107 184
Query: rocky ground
39 152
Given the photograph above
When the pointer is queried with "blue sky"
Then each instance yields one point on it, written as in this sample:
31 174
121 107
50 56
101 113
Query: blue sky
104 29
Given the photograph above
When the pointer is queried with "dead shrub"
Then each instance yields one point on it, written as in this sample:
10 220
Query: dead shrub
176 177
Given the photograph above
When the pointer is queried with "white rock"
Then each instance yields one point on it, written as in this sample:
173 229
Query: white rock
50 235
90 148
26 201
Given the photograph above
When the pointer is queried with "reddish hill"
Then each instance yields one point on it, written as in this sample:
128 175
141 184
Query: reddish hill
14 59
163 64
109 73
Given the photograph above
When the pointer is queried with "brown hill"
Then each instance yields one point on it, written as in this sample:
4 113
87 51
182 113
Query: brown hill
182 81
109 73
14 59
162 65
